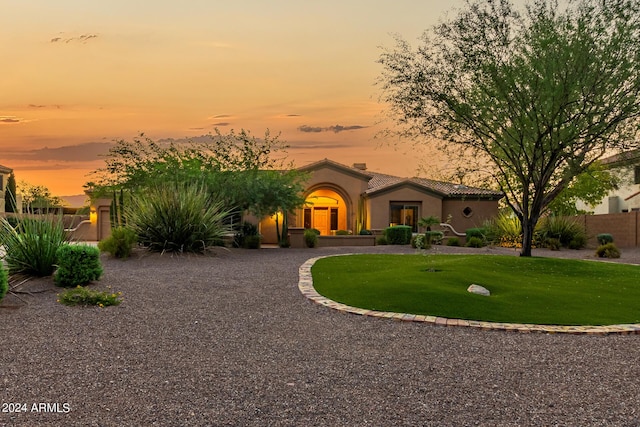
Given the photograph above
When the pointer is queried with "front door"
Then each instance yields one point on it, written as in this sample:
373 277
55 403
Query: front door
321 220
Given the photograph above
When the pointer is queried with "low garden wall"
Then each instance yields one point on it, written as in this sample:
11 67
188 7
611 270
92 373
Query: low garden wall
624 227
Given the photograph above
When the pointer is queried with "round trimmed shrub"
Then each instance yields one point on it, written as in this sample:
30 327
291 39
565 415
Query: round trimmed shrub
120 243
604 238
475 242
365 232
398 235
310 237
610 250
453 241
77 265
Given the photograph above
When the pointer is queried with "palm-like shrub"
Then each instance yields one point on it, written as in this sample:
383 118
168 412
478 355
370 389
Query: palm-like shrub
177 217
569 232
31 246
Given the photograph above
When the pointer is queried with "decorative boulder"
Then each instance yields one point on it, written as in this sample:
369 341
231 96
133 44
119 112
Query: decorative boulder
480 290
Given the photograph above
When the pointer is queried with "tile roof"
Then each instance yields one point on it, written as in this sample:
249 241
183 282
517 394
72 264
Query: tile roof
4 169
380 182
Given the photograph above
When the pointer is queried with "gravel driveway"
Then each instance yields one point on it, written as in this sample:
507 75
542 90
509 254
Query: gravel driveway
228 340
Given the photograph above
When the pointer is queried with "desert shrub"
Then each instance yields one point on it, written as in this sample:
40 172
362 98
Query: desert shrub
578 242
562 228
342 233
604 238
398 235
419 241
86 296
364 232
4 282
120 243
609 250
77 265
504 230
31 246
434 237
177 217
382 240
248 236
478 232
553 244
310 238
475 242
453 241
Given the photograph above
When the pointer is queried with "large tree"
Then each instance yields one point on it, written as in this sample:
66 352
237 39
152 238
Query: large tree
538 94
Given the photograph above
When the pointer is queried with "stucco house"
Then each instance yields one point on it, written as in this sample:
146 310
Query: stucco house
351 198
627 197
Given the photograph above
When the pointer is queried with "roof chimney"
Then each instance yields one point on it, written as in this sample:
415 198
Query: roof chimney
361 166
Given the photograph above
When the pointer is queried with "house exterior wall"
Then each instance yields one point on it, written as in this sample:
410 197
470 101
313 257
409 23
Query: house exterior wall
378 206
481 210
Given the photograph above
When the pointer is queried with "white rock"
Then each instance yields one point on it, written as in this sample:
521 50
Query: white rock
480 290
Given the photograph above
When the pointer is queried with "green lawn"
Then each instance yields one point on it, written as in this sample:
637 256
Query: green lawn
523 290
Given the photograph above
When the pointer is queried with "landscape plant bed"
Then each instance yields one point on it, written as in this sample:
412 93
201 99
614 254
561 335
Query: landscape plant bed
546 291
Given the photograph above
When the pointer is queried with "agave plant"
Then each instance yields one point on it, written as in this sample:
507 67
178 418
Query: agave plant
31 245
177 217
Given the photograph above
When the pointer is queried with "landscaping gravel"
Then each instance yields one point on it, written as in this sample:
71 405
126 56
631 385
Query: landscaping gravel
226 339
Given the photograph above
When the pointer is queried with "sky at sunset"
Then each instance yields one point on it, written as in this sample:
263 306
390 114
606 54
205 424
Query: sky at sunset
77 75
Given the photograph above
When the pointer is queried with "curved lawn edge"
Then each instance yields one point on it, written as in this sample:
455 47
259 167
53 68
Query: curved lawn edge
305 285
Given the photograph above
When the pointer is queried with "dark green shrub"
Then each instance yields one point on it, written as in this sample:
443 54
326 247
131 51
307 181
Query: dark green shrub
475 242
434 237
4 282
246 236
77 265
31 246
562 228
398 235
342 233
382 240
478 232
604 238
252 242
120 243
364 232
85 296
453 241
315 230
609 250
310 238
553 244
578 242
177 217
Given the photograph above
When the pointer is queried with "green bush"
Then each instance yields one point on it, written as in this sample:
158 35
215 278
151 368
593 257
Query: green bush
77 265
177 217
609 250
578 242
434 237
85 296
553 244
248 236
4 282
310 237
398 235
420 241
364 232
475 242
453 241
478 233
382 240
562 228
604 238
120 243
342 233
31 246
503 230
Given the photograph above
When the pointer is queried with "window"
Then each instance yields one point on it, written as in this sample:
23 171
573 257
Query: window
404 214
636 175
307 218
334 219
467 212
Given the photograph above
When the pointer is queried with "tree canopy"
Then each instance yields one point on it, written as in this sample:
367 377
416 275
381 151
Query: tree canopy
536 95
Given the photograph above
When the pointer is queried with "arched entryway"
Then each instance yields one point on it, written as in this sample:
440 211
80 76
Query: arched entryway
326 210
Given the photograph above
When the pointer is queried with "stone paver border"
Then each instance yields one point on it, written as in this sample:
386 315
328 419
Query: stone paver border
305 284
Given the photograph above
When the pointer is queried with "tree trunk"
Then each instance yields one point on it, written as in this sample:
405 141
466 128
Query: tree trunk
527 236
